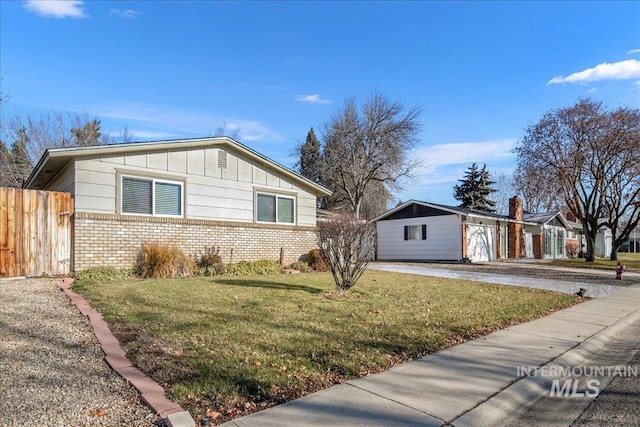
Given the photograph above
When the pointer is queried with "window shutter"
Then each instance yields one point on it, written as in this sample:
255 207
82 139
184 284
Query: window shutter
424 231
406 232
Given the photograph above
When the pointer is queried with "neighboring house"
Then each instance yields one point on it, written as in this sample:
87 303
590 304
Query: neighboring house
604 238
575 237
192 193
604 242
423 231
548 235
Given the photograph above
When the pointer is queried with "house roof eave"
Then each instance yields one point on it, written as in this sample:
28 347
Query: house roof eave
63 155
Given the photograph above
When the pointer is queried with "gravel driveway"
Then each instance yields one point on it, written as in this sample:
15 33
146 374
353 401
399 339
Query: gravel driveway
52 367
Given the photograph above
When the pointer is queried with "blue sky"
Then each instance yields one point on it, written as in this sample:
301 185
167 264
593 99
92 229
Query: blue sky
481 71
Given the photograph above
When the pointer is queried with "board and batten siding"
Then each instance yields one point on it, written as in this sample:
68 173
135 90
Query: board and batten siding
211 192
442 243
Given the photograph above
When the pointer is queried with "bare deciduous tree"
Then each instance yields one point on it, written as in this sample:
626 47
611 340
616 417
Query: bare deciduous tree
362 147
538 193
55 130
346 245
504 190
588 155
622 196
229 131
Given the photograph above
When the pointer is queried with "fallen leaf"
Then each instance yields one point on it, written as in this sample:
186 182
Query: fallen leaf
101 412
257 363
213 414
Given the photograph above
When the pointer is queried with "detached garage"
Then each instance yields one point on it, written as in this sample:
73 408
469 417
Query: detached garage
420 231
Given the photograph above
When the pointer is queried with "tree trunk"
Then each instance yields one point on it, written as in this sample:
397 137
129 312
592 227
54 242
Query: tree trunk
591 248
614 252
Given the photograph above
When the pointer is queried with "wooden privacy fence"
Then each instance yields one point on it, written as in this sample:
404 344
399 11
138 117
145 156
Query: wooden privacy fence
35 232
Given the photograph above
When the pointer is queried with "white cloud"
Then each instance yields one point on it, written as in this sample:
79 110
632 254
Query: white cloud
56 8
169 121
465 153
125 13
622 70
313 99
593 89
631 52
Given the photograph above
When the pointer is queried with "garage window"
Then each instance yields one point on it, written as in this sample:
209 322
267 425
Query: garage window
415 232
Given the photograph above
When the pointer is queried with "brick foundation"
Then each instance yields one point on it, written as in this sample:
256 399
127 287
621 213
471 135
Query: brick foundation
114 240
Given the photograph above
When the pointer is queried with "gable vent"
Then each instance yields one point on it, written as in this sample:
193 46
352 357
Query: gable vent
222 159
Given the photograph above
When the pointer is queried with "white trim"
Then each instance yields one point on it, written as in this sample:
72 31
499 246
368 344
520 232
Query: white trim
153 180
276 195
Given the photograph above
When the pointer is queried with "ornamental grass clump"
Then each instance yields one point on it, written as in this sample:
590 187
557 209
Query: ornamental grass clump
163 262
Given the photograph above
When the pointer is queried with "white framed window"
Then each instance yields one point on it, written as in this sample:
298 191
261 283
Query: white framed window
415 232
275 208
151 196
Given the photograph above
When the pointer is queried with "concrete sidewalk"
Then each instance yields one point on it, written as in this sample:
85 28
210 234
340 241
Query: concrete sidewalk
494 380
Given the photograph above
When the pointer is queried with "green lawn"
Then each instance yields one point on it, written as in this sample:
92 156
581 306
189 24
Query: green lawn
630 260
233 345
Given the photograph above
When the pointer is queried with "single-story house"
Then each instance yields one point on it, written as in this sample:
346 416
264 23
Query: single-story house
548 234
192 193
423 231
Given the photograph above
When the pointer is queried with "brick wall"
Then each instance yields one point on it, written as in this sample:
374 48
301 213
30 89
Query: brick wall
538 246
114 240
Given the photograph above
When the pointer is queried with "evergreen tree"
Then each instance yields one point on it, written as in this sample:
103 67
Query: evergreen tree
87 135
6 166
310 158
474 189
22 165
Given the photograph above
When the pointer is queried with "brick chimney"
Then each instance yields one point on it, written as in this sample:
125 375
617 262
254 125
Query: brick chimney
515 208
516 244
572 217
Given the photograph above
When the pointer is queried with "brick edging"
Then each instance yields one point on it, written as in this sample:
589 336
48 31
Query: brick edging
151 392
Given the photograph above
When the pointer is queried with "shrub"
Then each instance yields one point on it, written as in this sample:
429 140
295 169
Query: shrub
347 245
246 268
315 261
302 267
163 262
209 262
572 249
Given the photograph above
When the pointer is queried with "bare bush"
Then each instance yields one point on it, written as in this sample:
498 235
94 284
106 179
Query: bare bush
572 249
346 245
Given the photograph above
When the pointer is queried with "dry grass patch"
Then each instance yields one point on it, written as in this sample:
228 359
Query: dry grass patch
232 345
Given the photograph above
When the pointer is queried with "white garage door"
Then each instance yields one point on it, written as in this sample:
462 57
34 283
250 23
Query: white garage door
481 244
